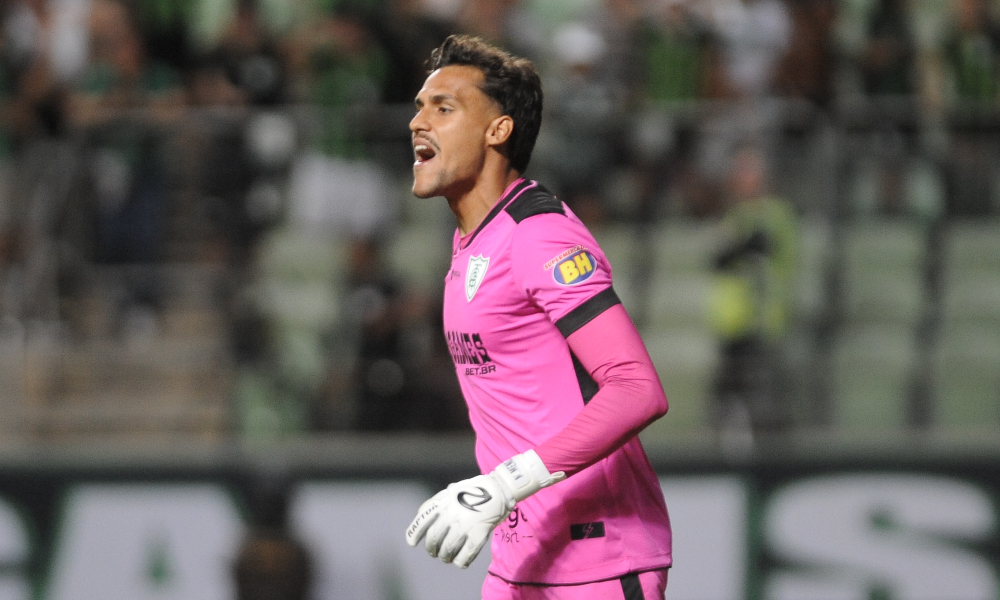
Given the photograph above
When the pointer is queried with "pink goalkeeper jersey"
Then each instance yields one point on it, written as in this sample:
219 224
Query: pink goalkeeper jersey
528 277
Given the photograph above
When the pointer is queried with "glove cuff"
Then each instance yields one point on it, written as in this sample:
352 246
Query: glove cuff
525 474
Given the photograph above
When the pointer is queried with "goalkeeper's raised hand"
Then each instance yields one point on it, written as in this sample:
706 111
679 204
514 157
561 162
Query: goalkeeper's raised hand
459 520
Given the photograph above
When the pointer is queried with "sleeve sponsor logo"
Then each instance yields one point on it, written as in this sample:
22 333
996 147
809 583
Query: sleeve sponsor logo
575 268
562 255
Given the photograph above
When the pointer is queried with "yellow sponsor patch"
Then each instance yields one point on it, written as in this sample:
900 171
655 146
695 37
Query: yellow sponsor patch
575 268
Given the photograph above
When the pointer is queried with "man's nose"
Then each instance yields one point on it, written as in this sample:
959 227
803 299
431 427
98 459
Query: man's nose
418 123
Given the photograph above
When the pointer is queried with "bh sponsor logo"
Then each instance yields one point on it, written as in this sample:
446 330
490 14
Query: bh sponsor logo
575 268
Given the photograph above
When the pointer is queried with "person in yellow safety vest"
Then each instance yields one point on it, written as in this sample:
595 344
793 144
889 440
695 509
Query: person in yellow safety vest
751 301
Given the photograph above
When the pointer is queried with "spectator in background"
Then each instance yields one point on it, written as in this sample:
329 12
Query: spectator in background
272 566
244 141
377 310
166 28
675 47
270 563
252 58
676 58
619 23
751 39
594 71
581 156
972 53
248 152
506 22
400 379
752 302
124 103
807 70
45 48
888 60
337 185
969 68
409 32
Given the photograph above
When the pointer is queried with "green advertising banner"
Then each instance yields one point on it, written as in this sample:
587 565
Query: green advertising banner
806 529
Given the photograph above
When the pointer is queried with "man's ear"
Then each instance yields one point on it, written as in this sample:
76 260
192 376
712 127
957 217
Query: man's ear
499 130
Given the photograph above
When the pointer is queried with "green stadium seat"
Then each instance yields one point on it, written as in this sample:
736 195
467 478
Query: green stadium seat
972 245
810 293
681 278
970 277
923 189
679 300
686 361
885 244
971 298
292 255
966 379
619 243
684 246
886 297
298 276
306 304
419 256
871 368
883 266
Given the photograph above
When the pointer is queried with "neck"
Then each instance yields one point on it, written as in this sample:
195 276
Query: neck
471 207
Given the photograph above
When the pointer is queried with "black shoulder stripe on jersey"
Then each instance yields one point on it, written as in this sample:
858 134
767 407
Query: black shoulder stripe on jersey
588 387
500 205
585 313
536 201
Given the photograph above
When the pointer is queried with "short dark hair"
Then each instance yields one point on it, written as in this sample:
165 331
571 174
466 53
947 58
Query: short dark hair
512 82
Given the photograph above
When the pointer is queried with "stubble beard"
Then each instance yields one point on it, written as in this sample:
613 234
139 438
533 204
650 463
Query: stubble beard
424 191
438 186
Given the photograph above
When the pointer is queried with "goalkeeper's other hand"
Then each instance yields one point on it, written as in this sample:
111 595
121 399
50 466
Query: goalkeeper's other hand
458 520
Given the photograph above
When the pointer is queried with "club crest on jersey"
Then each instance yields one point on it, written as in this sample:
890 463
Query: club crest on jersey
575 268
474 275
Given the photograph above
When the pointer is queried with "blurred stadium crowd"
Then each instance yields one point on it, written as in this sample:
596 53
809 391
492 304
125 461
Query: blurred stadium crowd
206 226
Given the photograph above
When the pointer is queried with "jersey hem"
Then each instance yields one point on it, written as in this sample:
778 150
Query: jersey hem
598 579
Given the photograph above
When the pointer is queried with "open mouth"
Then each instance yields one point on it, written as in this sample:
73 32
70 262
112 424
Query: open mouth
422 152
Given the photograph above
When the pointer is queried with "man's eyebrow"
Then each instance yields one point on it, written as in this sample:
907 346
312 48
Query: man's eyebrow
436 99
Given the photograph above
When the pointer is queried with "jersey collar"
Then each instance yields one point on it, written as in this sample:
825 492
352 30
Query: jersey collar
514 190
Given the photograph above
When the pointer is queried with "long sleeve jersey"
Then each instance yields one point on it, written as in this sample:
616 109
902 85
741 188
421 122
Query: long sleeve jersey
528 279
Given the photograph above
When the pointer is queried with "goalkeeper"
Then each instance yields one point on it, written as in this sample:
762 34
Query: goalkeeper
556 378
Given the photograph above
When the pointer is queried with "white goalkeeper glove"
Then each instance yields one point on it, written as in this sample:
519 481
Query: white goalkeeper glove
458 520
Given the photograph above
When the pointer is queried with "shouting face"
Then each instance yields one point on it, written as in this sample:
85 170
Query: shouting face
455 125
